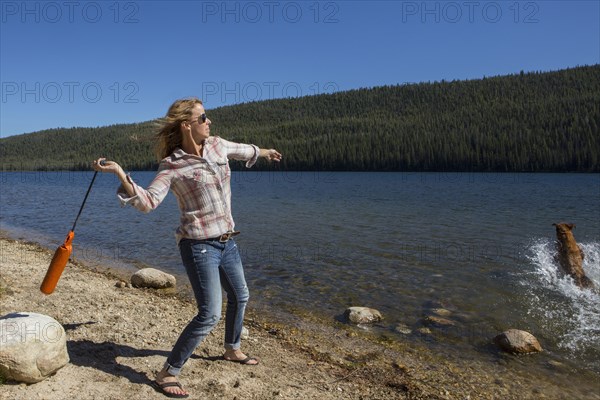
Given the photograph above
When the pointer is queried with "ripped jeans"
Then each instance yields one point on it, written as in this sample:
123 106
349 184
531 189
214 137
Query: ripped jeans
211 265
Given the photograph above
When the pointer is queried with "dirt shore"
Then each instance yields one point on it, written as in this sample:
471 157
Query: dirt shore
119 337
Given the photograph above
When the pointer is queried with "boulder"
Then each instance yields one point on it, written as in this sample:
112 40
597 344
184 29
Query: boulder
32 347
362 315
152 278
519 342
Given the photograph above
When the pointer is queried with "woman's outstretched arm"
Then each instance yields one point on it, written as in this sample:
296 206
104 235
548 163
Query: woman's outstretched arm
130 193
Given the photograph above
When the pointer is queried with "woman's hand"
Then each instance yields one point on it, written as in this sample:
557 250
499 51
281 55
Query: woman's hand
110 166
103 165
271 154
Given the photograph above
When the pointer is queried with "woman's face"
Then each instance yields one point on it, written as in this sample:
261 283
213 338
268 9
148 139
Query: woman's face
200 130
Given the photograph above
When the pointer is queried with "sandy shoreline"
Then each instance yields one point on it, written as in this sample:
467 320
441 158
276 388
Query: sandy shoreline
119 337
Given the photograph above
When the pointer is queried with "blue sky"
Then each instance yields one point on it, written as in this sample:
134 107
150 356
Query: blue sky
96 63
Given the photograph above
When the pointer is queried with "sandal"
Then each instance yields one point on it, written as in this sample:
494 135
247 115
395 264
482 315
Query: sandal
245 361
160 387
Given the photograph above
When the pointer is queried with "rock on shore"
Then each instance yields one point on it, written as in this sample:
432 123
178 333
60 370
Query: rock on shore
434 321
34 346
362 315
152 278
517 341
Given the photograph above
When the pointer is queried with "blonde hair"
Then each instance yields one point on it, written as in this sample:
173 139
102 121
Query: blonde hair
168 137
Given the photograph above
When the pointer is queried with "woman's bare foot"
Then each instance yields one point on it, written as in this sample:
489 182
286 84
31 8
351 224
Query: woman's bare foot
238 356
163 377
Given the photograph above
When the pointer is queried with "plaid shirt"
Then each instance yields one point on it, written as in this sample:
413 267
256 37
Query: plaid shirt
202 186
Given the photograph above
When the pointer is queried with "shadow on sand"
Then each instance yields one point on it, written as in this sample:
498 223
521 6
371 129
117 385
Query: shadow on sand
103 356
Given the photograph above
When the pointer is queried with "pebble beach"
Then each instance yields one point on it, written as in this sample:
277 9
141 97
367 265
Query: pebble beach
118 337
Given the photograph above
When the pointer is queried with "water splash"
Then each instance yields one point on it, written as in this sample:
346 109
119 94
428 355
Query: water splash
567 313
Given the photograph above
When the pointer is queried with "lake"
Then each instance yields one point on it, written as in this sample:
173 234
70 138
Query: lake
480 245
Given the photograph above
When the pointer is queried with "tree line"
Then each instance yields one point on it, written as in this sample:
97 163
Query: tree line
529 122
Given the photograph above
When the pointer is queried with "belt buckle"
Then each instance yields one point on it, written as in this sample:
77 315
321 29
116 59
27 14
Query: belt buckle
226 236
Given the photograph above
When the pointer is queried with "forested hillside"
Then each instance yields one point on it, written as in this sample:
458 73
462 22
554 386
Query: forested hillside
527 122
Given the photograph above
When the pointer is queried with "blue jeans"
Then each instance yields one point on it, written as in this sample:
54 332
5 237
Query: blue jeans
211 265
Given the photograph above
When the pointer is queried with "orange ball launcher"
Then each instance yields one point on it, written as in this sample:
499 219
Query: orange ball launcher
58 264
62 254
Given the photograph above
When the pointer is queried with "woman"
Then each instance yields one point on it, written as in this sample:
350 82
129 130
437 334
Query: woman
195 166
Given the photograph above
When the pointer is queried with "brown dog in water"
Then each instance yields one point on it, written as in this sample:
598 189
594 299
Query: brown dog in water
570 255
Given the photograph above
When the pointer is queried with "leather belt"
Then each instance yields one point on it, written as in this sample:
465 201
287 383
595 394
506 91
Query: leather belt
225 237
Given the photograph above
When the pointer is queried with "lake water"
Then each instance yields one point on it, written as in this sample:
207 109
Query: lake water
480 245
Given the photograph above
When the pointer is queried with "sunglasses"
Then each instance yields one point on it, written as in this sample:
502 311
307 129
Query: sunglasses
201 119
